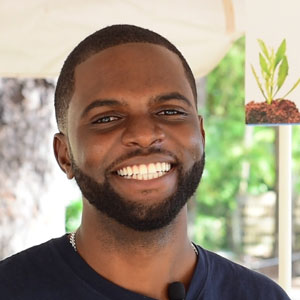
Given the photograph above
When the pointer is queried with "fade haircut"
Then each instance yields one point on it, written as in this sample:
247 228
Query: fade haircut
100 40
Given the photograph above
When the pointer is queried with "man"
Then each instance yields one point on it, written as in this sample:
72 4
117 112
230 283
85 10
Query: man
130 135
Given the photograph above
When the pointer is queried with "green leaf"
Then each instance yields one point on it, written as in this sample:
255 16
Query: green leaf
264 65
282 73
263 48
272 61
258 82
293 87
280 52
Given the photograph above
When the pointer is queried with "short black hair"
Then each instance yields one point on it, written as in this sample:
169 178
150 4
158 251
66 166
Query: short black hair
102 39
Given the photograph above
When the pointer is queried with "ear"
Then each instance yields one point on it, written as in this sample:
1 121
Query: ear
202 128
62 155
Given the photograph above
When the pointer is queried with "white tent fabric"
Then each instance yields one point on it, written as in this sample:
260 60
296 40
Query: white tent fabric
37 35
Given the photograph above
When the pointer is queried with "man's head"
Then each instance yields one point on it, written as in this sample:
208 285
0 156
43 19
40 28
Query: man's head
96 42
130 132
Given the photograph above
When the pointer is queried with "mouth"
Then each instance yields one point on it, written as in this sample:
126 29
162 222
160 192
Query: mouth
145 171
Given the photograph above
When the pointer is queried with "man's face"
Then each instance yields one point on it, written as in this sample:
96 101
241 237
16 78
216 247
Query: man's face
134 132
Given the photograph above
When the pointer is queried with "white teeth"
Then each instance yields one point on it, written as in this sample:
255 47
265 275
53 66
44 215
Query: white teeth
151 168
158 167
145 172
143 169
129 171
135 169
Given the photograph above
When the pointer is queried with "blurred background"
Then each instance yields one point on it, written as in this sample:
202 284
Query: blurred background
234 211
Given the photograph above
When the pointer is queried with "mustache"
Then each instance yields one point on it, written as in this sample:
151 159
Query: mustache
141 152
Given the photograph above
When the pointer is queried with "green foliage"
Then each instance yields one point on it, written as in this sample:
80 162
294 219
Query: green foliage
269 61
73 215
224 120
212 231
261 158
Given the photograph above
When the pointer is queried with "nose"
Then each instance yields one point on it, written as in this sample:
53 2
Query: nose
142 132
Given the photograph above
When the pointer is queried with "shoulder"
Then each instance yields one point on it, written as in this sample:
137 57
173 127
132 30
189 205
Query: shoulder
27 268
239 281
23 257
26 257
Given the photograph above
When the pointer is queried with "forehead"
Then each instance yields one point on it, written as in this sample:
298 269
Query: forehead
133 68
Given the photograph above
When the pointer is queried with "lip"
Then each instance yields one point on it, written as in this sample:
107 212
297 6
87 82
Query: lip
138 160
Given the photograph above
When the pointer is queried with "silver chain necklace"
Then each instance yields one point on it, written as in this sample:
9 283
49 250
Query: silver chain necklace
73 243
73 240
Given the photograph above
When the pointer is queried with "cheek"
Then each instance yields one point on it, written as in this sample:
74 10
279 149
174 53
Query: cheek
91 158
196 146
194 152
88 153
189 144
96 153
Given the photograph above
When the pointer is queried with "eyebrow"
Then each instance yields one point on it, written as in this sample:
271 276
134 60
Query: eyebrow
170 96
101 102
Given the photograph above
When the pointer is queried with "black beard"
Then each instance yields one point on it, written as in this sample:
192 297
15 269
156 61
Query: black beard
138 216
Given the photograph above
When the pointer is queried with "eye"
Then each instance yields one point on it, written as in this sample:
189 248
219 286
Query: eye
106 119
171 112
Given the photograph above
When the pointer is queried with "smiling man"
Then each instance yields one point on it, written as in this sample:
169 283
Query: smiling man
130 135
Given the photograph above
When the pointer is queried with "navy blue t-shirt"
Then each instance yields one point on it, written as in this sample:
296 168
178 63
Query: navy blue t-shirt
54 271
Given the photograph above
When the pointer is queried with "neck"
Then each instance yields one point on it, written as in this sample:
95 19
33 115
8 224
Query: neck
139 261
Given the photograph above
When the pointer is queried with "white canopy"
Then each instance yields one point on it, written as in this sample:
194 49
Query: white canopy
37 35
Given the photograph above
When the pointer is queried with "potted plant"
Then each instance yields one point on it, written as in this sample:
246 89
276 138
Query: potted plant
274 71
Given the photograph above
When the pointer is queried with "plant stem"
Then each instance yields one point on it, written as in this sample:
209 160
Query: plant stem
258 82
